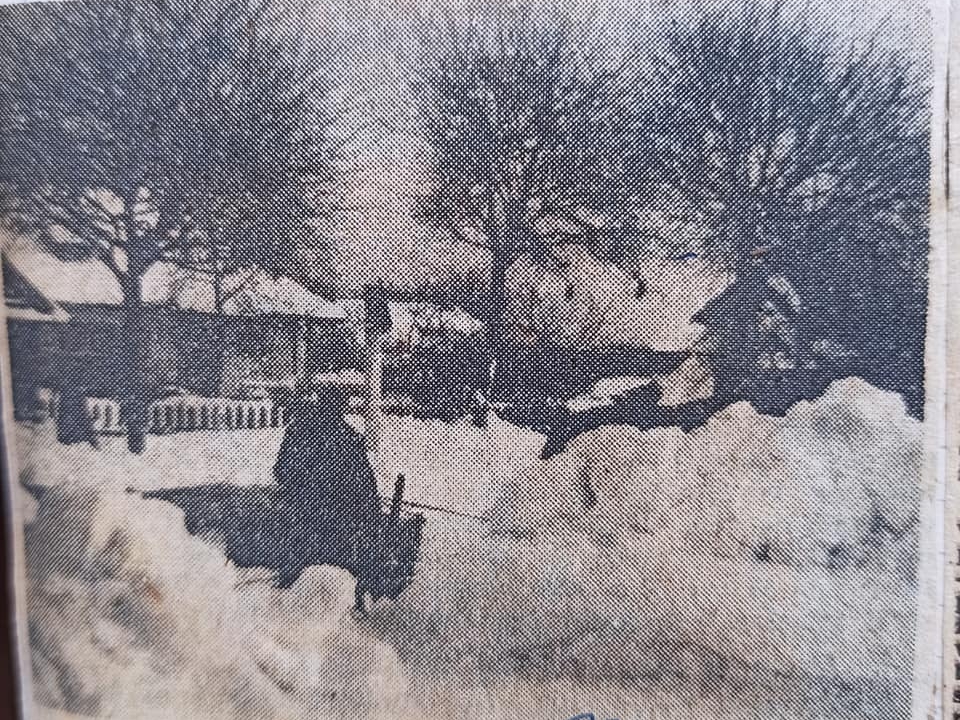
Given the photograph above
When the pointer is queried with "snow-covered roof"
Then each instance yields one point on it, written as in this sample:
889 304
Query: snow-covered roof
576 294
746 292
34 315
85 280
409 319
250 291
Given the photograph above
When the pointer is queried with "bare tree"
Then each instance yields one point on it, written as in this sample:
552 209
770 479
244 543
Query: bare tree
172 130
527 127
802 166
799 157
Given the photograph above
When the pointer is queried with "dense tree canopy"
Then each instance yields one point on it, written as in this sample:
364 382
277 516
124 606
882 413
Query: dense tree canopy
796 157
184 131
527 127
187 116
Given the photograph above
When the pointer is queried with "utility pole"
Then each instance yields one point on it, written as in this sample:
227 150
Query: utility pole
376 325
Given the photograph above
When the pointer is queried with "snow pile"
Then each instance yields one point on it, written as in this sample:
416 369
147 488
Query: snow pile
606 392
238 457
126 611
129 615
752 555
453 465
754 546
821 486
692 380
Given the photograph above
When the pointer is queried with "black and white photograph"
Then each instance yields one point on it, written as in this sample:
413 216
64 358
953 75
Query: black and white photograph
475 359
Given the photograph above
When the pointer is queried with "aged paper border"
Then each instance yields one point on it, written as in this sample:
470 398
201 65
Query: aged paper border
937 648
951 464
16 558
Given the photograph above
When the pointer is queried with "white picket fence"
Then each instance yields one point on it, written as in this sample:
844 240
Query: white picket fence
178 414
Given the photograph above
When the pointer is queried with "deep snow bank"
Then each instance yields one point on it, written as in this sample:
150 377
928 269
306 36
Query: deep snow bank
239 457
453 465
825 485
752 547
131 616
749 551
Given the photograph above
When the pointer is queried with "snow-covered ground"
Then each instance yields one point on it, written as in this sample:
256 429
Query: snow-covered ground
756 567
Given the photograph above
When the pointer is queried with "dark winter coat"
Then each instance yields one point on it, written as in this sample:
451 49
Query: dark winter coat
326 481
74 424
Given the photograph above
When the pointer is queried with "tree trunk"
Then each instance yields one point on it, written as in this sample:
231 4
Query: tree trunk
134 401
376 324
219 331
496 321
373 391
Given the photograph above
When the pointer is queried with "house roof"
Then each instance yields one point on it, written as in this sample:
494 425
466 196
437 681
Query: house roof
63 278
745 294
247 292
581 298
25 302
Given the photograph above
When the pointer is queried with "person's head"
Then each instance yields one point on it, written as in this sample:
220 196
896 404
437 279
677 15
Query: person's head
325 405
334 400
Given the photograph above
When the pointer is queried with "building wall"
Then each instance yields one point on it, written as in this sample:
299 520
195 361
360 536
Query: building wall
201 354
34 362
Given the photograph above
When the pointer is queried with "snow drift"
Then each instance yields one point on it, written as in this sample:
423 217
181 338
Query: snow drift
756 560
754 547
129 615
825 485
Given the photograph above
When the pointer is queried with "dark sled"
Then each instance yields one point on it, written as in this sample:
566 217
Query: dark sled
256 529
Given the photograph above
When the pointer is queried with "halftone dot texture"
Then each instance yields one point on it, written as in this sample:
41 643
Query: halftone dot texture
642 292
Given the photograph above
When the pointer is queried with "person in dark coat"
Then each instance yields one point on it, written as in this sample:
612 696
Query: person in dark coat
327 490
74 423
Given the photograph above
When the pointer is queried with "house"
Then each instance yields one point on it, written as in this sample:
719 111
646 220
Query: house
64 312
754 322
757 348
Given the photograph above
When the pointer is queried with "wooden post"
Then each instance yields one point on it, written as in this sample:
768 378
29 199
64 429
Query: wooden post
373 405
397 500
376 324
